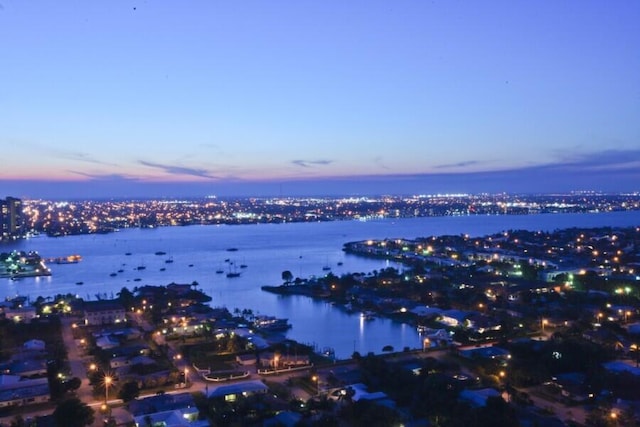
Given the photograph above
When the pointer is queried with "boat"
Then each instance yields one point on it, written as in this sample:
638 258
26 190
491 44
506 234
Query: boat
71 259
243 265
79 283
340 263
233 272
162 269
113 274
232 249
219 271
271 323
326 268
368 315
121 271
140 267
161 253
127 253
168 261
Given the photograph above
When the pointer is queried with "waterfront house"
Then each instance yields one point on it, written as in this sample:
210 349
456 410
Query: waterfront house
280 361
482 323
453 318
17 312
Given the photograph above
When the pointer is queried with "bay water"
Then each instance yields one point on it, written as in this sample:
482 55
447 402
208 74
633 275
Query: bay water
198 252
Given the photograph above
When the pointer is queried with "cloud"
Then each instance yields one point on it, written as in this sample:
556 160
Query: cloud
600 160
311 163
379 162
179 170
69 154
105 177
458 165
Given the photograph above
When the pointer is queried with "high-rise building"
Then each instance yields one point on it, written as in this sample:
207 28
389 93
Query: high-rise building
11 222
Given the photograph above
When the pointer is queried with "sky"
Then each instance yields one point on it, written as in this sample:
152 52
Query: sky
190 98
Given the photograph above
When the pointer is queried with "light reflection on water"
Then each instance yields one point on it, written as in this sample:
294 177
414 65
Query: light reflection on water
267 250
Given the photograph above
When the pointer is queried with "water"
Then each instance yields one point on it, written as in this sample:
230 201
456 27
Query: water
267 250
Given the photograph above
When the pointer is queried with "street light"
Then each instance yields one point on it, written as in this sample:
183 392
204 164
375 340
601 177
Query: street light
186 377
426 344
544 323
107 383
316 379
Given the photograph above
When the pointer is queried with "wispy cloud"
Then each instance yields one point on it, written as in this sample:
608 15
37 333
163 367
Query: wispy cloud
311 163
379 161
601 160
179 170
79 156
105 176
458 165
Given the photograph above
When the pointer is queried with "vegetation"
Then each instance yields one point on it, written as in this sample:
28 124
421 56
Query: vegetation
73 413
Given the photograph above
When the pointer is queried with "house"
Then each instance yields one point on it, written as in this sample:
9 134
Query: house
166 410
284 419
231 392
572 386
103 312
488 352
619 366
34 345
19 314
246 359
481 323
435 338
273 360
478 398
184 417
426 312
359 392
453 318
25 368
106 342
15 391
161 402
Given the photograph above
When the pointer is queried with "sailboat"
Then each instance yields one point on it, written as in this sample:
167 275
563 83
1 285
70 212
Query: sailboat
233 272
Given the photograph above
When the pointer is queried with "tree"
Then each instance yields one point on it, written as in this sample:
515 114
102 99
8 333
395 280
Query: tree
129 391
287 277
73 413
126 297
74 383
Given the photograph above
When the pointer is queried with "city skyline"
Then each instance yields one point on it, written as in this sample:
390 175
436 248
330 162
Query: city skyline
163 99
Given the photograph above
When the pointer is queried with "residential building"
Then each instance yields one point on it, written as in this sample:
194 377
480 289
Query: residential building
11 220
103 312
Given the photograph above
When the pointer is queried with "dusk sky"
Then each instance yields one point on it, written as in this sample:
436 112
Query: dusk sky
188 98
